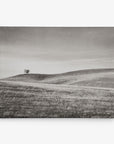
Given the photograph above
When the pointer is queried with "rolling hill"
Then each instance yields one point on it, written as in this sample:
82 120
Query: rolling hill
76 94
91 77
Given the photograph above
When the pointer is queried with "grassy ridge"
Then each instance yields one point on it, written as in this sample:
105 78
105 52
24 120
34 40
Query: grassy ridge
95 77
85 93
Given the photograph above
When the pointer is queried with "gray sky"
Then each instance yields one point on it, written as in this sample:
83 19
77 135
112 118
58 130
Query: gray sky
54 50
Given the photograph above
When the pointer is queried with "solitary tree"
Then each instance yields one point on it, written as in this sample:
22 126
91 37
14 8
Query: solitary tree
26 71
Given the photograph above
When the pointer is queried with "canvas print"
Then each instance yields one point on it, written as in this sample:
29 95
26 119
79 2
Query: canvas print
56 72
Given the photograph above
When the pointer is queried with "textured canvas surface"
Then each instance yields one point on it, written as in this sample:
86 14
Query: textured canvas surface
56 72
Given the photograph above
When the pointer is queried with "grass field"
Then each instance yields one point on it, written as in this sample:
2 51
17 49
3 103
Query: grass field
79 94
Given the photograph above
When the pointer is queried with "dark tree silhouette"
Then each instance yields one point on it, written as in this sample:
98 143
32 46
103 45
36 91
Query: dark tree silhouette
26 71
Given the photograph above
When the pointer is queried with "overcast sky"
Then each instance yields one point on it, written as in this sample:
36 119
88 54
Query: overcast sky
54 50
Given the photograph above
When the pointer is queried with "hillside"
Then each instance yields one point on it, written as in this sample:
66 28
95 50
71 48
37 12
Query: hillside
91 77
77 94
28 77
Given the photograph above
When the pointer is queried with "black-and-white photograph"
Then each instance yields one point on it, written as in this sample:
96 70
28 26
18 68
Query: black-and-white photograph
56 72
